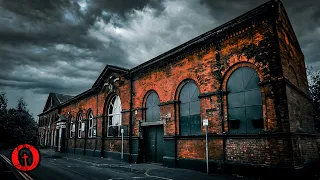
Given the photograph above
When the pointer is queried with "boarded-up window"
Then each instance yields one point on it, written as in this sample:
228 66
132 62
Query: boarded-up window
244 102
189 110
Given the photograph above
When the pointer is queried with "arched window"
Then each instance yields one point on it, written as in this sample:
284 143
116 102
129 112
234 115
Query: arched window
244 101
153 109
80 125
189 110
114 116
90 124
71 127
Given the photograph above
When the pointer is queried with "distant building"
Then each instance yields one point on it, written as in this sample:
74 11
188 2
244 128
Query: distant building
49 118
247 77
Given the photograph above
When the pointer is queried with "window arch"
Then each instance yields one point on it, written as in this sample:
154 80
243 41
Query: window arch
71 127
190 110
114 116
152 107
90 124
80 125
244 102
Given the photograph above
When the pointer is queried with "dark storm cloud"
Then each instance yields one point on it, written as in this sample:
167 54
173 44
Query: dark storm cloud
304 17
63 45
121 7
31 33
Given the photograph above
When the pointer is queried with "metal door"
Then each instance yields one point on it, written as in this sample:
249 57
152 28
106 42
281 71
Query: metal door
63 142
153 145
159 144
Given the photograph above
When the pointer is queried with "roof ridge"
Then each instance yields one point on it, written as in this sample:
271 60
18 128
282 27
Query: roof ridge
58 98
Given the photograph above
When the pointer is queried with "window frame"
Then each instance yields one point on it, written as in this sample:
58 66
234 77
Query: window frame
90 124
198 115
79 126
243 123
147 108
110 116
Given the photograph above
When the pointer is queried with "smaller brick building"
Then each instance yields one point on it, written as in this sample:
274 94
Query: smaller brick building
247 77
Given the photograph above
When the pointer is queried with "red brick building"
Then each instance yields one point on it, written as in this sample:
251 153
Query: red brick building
247 77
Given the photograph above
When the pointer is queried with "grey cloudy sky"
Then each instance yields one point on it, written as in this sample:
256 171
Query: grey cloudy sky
63 45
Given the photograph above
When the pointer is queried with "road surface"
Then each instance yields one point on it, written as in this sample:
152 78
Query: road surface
71 167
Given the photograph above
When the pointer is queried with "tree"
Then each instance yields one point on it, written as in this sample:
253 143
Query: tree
17 126
314 88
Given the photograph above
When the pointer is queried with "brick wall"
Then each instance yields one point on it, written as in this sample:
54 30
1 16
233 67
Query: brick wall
293 65
254 44
300 109
270 151
305 149
196 149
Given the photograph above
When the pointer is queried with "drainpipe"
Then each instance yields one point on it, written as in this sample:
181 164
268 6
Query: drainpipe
96 119
175 134
130 120
223 130
103 129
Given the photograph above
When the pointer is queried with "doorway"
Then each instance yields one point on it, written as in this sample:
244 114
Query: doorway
153 143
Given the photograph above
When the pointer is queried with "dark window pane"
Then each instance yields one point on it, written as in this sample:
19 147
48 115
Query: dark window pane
254 119
253 112
184 109
156 113
235 83
156 99
238 114
195 123
149 115
149 101
194 107
247 74
184 125
194 92
184 94
253 97
254 82
153 110
190 105
235 100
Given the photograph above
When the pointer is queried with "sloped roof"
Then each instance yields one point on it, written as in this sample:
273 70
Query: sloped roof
262 9
106 69
63 97
55 99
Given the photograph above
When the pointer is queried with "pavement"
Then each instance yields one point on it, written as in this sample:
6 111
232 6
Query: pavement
57 166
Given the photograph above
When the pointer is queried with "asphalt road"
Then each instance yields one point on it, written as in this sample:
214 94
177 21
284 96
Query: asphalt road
58 168
72 167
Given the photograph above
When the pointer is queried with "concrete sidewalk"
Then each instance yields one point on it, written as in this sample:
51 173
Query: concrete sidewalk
149 169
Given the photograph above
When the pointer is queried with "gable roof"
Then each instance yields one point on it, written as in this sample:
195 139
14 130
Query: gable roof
63 98
106 70
55 99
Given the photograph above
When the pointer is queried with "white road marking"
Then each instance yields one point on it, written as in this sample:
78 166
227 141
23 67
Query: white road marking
23 174
158 177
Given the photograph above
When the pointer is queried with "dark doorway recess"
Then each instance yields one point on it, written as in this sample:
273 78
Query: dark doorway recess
153 144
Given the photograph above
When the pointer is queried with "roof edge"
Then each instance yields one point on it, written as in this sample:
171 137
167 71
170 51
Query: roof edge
111 67
210 33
